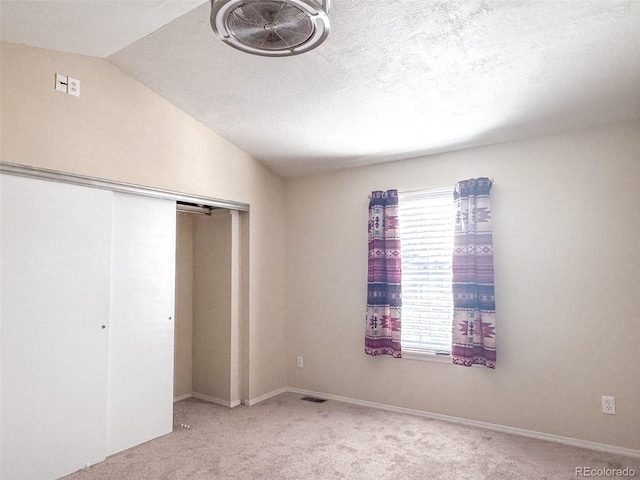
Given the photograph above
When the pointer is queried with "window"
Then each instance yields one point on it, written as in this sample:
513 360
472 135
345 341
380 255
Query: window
426 232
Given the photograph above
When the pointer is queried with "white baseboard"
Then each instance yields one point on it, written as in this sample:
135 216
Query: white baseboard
574 442
217 401
182 397
254 401
602 447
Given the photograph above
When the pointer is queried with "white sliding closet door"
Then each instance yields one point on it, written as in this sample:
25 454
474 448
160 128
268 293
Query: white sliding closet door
140 404
54 269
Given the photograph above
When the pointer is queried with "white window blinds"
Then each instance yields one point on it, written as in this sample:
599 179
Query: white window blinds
426 232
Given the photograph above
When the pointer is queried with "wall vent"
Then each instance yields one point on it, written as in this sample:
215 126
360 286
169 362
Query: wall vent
314 399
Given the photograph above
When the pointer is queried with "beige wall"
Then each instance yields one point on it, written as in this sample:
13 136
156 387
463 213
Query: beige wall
566 230
183 365
212 305
120 130
566 265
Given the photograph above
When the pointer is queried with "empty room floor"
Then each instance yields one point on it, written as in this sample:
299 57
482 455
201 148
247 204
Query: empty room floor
288 438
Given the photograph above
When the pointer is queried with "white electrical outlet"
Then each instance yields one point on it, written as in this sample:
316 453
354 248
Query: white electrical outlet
300 362
609 405
73 87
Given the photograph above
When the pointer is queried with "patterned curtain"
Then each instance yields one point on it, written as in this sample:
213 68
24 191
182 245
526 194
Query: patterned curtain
474 311
382 335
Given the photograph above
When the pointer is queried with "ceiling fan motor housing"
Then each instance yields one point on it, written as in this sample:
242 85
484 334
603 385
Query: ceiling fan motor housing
272 28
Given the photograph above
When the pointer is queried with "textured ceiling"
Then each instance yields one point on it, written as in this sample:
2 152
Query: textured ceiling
395 79
96 28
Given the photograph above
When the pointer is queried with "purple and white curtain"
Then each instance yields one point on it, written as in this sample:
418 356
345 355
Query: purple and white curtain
382 336
474 311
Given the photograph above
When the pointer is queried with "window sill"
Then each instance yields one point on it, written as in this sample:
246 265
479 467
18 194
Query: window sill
426 357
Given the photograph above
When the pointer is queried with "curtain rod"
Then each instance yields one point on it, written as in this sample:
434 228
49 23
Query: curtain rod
423 190
427 189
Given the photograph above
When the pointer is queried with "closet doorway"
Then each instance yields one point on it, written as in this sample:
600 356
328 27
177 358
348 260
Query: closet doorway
207 334
87 320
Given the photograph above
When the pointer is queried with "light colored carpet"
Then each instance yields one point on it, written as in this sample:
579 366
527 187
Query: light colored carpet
287 438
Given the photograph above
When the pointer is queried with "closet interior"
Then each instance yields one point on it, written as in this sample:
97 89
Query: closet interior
206 336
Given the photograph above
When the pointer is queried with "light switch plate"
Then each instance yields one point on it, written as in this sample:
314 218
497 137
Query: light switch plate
61 83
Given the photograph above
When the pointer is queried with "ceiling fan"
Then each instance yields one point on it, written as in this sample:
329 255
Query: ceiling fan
271 28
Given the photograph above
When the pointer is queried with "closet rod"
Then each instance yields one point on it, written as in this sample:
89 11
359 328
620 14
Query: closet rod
193 209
